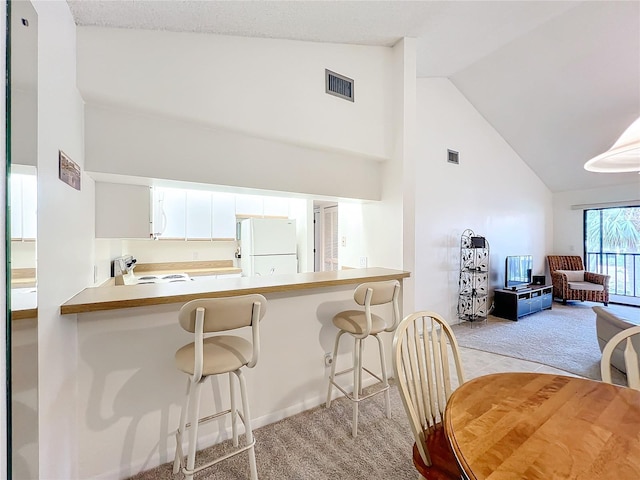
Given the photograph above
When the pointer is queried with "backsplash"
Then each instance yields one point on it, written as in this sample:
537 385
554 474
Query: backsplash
148 251
23 254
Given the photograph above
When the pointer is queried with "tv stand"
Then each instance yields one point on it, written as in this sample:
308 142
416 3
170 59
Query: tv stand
514 304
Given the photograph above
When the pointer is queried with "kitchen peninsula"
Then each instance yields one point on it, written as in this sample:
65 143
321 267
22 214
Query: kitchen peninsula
24 296
114 297
129 391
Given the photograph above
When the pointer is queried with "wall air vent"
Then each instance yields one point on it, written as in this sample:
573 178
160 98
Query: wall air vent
338 85
453 157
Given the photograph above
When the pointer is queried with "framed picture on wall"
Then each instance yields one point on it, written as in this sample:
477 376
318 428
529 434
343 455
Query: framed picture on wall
68 170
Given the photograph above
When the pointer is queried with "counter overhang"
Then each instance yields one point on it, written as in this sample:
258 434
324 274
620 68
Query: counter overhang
117 297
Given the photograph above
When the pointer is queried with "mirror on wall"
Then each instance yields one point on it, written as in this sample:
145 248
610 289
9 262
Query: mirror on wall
23 185
22 258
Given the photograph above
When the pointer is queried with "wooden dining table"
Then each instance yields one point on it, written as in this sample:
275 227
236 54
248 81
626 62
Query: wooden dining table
535 426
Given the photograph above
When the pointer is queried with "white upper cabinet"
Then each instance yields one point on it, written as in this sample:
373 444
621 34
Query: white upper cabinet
194 214
122 211
199 215
202 215
16 207
259 206
224 215
29 206
249 205
170 218
24 206
276 207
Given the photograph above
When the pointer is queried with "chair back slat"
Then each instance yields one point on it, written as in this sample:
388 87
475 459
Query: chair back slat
427 378
630 356
423 344
419 393
438 396
631 362
446 368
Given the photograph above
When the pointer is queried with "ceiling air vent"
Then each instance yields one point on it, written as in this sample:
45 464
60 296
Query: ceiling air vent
338 85
453 157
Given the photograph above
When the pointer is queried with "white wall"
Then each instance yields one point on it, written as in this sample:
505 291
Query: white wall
256 115
383 222
383 231
24 104
405 55
143 145
492 191
263 87
23 123
65 239
568 232
351 228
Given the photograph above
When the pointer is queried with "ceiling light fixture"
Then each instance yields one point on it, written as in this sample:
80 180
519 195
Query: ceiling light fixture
623 156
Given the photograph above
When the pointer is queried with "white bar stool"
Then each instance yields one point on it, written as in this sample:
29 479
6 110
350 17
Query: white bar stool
361 324
216 355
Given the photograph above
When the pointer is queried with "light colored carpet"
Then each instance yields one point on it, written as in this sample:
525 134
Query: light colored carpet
563 337
317 444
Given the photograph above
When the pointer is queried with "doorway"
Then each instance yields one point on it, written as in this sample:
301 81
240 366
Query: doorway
612 247
325 236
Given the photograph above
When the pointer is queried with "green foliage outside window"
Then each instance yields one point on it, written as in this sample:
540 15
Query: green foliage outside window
613 230
612 243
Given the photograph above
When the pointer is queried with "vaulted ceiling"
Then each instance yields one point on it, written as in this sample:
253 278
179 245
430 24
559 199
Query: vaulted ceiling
559 80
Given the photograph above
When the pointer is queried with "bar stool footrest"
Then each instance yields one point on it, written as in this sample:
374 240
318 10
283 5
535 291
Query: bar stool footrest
350 395
201 421
217 460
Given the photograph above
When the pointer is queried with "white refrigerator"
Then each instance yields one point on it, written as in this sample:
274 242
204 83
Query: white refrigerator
268 246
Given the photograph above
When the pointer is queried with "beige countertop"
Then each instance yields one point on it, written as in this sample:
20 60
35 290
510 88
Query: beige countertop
24 314
23 277
24 303
196 272
116 297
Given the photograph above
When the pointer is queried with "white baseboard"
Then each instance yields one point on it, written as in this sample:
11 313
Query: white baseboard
622 300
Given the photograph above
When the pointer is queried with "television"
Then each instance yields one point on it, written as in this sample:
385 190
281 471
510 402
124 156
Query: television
517 271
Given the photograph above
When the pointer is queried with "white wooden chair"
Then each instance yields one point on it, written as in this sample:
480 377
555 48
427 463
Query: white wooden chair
215 355
361 324
422 346
630 357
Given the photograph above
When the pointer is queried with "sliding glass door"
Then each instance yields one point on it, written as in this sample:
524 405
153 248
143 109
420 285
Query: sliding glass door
612 247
